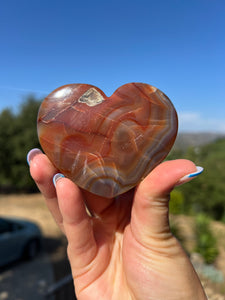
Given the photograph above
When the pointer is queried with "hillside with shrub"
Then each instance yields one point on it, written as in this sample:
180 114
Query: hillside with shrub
205 194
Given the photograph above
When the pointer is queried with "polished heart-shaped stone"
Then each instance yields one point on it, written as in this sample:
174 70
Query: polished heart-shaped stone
106 145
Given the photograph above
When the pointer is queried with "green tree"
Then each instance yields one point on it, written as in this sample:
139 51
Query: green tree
176 203
207 192
18 135
7 131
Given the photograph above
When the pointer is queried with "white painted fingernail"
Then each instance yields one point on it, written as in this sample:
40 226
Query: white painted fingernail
32 153
56 177
190 176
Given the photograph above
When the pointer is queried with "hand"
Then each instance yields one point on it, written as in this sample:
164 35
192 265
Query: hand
125 249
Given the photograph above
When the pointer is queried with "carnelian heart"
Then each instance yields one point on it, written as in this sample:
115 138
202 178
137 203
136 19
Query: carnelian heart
106 145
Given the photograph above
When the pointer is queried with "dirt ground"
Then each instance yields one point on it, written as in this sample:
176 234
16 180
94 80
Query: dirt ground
32 207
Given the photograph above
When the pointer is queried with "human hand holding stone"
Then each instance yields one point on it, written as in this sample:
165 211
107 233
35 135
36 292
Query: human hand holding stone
125 249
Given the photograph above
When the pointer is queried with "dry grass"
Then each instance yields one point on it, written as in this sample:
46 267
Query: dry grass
31 207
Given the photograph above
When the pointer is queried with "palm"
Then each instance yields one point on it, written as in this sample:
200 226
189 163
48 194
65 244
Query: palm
118 269
106 274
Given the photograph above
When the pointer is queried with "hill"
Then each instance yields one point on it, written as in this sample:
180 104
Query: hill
189 139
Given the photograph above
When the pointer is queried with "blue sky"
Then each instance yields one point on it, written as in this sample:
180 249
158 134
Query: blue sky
175 45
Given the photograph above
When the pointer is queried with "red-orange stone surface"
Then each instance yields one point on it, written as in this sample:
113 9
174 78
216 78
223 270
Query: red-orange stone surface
107 145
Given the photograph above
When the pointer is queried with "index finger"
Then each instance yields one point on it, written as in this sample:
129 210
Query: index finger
42 171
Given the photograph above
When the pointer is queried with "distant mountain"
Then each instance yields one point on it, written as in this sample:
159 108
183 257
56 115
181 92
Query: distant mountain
185 140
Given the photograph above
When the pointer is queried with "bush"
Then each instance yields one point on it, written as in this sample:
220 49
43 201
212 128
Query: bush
206 243
205 194
176 203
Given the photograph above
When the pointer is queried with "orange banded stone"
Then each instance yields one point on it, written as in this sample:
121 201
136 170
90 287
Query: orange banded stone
106 145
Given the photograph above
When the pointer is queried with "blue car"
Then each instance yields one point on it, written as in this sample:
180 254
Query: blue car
18 239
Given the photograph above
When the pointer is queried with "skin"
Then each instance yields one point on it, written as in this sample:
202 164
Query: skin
125 249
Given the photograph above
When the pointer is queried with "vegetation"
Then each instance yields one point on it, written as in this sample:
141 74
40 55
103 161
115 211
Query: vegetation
206 243
204 197
176 203
17 136
206 193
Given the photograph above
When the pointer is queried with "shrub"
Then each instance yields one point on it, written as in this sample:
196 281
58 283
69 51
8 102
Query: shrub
206 243
176 203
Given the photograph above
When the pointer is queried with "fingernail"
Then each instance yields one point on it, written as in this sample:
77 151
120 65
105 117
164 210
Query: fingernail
32 153
190 176
56 177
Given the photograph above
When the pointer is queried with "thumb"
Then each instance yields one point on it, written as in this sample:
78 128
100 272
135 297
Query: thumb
150 209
